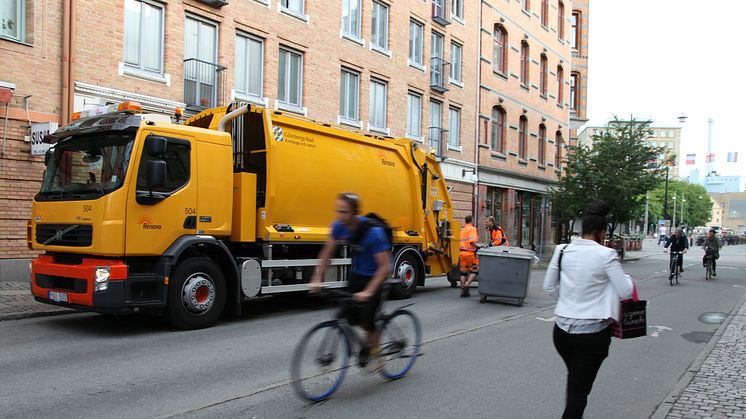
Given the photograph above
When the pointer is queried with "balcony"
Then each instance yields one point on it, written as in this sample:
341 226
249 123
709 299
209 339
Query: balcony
438 140
204 84
439 74
439 12
214 3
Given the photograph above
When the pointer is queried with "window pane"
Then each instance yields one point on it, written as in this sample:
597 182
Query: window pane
294 80
414 109
378 104
241 83
454 127
151 38
415 42
379 26
294 5
132 32
456 62
191 38
282 77
255 65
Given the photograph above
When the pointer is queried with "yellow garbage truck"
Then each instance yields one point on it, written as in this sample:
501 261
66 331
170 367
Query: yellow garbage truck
188 220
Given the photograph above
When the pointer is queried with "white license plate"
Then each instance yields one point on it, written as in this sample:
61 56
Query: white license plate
60 297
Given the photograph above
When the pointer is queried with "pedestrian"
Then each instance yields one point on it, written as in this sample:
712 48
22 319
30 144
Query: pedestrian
587 280
678 243
662 234
371 262
468 262
496 233
712 250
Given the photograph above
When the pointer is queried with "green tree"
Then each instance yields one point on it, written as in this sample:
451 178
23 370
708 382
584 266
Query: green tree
616 169
697 205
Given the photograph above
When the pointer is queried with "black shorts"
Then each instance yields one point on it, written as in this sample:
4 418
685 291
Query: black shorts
362 314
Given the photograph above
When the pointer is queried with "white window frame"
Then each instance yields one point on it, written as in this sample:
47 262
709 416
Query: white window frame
454 133
375 37
416 52
374 125
138 69
20 23
345 96
457 11
284 104
246 95
300 14
414 135
347 31
456 67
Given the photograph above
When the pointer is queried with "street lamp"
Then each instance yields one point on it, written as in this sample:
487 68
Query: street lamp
673 223
682 118
682 208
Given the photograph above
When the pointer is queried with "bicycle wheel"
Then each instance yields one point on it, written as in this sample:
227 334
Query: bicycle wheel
707 270
320 361
401 338
672 269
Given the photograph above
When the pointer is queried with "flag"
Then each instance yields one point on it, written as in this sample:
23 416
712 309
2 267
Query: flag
690 158
710 157
732 157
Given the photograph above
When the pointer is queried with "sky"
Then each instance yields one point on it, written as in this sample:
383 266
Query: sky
659 59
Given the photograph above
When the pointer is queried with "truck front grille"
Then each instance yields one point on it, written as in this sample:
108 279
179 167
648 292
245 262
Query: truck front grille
75 235
61 283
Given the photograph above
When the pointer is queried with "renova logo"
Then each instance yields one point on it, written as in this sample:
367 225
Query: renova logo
278 133
384 161
147 223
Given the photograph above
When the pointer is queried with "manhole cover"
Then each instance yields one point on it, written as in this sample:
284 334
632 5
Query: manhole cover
713 318
698 337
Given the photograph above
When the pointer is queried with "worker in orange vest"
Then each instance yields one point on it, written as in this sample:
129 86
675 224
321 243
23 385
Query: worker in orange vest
497 234
468 262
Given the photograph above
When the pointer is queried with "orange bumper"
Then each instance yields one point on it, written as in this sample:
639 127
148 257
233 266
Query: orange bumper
71 284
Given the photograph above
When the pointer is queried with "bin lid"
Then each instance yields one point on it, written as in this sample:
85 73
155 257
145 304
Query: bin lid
506 251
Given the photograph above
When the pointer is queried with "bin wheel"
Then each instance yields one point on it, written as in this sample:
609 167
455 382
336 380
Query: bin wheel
520 303
482 299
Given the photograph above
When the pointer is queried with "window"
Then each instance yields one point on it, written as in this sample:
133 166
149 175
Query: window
545 13
294 6
542 144
574 90
558 150
524 63
560 89
290 78
561 20
454 127
379 31
439 11
526 5
455 62
143 36
416 32
378 104
249 66
349 96
498 129
575 30
436 115
522 133
177 166
351 18
437 63
12 19
414 115
200 56
457 9
499 50
543 76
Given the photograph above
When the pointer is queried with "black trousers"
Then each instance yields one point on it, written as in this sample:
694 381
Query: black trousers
681 262
583 355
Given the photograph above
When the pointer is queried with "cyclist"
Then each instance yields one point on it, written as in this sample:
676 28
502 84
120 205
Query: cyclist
712 250
497 234
371 266
678 243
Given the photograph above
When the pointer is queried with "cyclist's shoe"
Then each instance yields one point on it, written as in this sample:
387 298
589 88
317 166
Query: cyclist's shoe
681 270
375 362
714 273
670 277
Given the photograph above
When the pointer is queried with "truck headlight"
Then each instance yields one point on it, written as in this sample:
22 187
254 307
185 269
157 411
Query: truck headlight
101 279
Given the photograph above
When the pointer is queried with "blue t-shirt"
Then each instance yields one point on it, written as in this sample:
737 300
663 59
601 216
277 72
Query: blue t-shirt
375 241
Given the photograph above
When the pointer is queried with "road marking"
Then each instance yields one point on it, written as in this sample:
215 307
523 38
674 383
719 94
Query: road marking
548 319
658 329
737 286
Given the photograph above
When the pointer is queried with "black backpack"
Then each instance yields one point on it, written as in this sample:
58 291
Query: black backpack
369 221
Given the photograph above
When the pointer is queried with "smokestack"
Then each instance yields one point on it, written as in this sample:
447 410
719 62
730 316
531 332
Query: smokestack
709 157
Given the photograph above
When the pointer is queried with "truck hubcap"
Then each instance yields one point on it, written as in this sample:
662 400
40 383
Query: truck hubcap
406 274
198 293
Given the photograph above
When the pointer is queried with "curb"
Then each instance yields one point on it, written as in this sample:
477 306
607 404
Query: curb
31 314
664 408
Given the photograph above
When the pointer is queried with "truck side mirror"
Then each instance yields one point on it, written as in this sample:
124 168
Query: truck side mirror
155 174
155 145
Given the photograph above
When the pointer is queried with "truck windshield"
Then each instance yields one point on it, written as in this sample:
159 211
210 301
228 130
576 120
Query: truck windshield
86 167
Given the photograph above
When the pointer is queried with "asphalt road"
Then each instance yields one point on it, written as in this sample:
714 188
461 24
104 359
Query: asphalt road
480 360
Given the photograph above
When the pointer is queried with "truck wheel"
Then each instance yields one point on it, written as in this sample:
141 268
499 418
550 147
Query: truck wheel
196 294
407 271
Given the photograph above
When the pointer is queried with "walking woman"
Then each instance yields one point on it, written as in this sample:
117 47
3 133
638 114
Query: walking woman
587 281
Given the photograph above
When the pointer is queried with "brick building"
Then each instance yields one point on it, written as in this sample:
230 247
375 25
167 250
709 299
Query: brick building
420 69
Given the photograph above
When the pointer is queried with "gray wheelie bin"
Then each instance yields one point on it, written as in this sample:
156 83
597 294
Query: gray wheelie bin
504 272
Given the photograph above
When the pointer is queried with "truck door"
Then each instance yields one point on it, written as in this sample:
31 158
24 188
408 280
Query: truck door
155 219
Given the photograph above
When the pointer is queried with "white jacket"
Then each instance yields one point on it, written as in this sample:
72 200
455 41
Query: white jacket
591 282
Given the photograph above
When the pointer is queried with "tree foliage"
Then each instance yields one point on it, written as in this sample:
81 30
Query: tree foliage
619 168
697 205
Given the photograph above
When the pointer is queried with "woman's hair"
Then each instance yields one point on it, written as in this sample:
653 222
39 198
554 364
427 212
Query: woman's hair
594 217
352 199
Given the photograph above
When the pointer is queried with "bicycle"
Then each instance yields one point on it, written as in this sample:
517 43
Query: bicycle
674 267
708 264
326 349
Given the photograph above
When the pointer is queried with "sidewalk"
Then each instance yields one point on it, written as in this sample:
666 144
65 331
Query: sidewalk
16 302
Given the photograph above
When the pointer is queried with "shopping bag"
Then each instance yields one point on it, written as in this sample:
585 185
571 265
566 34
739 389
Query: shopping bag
632 322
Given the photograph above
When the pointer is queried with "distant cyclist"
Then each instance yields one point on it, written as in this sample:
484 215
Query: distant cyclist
371 262
678 243
712 250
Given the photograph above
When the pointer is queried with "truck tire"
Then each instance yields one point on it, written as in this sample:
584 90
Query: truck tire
407 271
196 294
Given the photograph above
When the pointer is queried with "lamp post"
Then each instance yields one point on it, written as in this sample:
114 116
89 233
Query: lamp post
682 208
673 223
